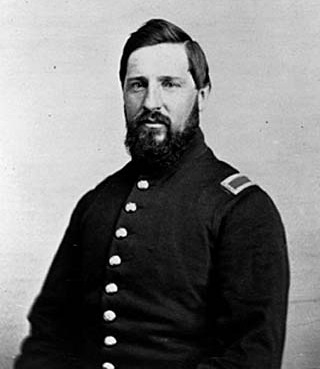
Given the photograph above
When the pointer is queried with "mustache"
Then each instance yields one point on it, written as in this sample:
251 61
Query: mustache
152 117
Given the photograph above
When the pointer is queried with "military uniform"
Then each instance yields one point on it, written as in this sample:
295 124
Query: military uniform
183 268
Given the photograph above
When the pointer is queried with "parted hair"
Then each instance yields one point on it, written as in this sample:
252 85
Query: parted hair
157 31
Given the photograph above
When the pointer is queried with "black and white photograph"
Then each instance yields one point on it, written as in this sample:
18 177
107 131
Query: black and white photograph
160 184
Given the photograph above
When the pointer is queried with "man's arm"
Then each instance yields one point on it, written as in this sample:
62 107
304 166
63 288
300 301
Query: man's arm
250 285
52 342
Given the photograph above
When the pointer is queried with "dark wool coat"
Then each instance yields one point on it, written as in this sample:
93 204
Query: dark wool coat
165 270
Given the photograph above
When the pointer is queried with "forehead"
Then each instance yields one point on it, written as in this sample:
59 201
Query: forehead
162 59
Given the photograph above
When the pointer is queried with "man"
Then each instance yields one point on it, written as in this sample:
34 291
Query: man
177 260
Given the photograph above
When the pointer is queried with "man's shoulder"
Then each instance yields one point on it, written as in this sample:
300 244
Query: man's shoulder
115 181
224 176
124 174
226 183
232 192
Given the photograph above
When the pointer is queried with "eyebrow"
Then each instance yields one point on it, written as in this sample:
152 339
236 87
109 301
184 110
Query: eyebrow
171 78
139 78
160 78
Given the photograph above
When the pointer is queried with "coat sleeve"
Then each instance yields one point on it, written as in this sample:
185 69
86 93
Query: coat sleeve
52 341
250 285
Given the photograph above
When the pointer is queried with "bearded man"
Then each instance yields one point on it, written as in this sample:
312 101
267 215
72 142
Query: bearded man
177 260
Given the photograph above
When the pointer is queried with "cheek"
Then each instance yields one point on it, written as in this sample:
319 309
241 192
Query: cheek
132 106
180 110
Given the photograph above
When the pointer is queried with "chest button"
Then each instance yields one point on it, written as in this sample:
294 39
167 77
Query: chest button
115 260
110 341
130 207
121 233
111 288
109 316
143 184
108 366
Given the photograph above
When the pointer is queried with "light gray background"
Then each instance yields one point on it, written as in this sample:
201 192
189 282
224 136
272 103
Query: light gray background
62 129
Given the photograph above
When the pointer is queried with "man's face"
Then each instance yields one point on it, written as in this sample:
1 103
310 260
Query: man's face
159 91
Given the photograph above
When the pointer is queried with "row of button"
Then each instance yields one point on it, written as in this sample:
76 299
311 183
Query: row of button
115 260
111 288
122 232
110 315
131 207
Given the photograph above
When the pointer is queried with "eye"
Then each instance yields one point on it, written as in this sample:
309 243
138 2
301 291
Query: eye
169 84
136 86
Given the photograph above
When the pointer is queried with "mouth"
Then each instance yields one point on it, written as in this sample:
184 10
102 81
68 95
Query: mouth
154 124
155 121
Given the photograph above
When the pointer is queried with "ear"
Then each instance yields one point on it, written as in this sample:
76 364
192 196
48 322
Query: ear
203 95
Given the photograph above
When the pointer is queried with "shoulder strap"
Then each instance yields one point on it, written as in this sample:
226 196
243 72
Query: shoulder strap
236 183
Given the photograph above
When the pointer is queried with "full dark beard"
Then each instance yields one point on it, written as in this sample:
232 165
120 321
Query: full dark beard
143 146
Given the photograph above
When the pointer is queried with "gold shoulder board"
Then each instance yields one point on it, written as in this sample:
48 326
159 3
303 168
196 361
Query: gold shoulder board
236 183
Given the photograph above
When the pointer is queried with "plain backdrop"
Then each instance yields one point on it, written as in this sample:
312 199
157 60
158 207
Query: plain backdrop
62 129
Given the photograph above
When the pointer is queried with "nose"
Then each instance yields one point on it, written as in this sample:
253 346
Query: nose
153 98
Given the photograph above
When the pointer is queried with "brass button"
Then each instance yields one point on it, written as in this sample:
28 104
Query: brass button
109 316
111 288
108 366
130 207
121 233
110 341
115 260
143 184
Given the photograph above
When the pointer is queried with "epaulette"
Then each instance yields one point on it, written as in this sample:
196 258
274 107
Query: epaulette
236 183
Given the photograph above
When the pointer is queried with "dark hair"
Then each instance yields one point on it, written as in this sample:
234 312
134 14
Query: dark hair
157 31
